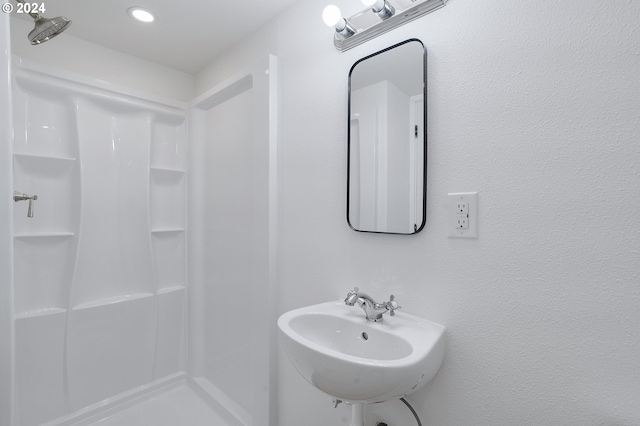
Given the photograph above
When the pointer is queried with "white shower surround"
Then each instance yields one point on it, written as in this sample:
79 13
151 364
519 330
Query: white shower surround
97 312
101 270
6 229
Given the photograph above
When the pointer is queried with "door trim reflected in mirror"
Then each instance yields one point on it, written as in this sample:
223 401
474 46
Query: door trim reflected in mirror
387 141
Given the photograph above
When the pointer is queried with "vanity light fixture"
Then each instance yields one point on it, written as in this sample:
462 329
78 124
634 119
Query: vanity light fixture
140 14
382 8
332 16
378 18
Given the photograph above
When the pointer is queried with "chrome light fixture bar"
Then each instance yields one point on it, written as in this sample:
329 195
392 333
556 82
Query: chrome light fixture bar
365 30
382 8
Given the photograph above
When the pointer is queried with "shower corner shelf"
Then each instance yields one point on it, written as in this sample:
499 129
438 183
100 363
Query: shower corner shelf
24 235
171 289
26 156
167 230
39 313
111 301
166 170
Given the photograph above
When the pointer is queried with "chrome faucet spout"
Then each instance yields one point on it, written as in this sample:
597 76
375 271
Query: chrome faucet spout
372 309
352 297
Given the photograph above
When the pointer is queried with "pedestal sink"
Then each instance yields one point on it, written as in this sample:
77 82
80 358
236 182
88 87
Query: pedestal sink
336 349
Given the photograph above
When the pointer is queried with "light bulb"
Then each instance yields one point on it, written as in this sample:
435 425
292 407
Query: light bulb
376 5
141 14
331 15
382 8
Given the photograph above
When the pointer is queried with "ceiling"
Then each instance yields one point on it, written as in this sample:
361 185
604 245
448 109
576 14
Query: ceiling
186 35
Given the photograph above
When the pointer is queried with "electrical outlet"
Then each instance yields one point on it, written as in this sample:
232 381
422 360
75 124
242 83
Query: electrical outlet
463 214
462 207
462 221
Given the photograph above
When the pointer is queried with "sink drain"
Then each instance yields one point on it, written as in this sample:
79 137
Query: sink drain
365 336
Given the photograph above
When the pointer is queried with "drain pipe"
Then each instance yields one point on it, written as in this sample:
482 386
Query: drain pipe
357 414
357 411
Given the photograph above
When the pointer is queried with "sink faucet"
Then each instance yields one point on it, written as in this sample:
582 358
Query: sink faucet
372 309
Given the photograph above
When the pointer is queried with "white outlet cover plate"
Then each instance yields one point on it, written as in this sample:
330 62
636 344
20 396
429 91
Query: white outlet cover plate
471 198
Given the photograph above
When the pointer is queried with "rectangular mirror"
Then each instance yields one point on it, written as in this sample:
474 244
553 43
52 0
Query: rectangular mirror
387 141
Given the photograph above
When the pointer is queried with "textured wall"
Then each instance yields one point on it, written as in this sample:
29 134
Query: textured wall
534 105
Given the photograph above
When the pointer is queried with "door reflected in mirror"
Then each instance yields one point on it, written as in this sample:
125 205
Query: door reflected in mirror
387 141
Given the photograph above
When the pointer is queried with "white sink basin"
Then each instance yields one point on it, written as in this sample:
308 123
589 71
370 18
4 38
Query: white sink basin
337 350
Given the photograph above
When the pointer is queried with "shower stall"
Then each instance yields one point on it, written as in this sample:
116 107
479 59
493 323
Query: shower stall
147 259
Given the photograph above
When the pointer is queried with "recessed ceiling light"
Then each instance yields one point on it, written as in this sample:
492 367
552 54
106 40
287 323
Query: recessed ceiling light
141 14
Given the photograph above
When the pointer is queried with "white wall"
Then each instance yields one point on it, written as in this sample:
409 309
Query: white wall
240 57
70 53
535 105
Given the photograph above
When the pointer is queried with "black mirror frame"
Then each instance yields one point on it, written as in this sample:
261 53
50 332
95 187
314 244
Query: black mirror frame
424 167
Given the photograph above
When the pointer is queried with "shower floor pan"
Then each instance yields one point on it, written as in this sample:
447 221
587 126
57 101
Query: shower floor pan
179 400
177 406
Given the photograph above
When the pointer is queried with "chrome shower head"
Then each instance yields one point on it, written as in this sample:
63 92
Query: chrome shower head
46 29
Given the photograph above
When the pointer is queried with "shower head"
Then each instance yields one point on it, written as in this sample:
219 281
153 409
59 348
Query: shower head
46 29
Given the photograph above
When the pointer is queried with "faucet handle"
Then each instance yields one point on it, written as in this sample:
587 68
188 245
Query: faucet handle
392 305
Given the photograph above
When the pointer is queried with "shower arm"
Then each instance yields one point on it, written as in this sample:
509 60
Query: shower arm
32 14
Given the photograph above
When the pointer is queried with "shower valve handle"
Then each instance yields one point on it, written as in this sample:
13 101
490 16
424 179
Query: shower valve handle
19 196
